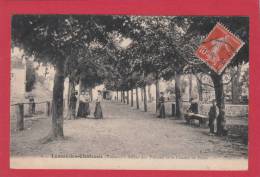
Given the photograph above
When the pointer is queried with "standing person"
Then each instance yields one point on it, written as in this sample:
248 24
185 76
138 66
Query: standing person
98 110
193 107
213 113
161 106
32 105
83 110
87 101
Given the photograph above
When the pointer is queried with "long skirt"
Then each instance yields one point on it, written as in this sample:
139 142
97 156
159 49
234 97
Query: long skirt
98 111
73 108
213 125
83 110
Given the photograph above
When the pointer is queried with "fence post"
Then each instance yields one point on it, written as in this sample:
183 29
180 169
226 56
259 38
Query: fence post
48 105
19 116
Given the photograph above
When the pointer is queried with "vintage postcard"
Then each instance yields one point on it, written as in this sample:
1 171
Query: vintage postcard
129 91
108 91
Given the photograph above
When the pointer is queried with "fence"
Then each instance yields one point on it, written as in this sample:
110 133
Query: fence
21 111
231 110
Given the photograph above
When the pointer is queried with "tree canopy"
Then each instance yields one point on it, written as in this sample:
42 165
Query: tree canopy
122 52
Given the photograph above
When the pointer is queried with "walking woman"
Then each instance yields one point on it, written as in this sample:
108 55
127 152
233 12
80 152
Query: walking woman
98 110
83 110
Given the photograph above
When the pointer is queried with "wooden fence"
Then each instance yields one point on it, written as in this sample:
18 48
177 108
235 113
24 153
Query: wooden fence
19 111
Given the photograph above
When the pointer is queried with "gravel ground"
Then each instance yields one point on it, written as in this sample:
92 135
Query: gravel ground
127 132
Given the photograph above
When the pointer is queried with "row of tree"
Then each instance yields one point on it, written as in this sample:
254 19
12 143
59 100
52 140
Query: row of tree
90 50
164 48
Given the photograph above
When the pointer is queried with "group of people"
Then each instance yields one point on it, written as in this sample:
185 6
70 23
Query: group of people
83 109
212 114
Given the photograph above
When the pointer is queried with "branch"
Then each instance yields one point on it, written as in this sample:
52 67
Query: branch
200 81
231 79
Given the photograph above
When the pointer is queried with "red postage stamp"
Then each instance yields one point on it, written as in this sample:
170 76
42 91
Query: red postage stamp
219 48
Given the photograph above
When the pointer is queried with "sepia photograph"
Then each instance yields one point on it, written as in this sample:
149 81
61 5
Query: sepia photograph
129 92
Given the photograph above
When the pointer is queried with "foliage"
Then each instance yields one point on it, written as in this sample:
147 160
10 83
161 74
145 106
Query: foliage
91 47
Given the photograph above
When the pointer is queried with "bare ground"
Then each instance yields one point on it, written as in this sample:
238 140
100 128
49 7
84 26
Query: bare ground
127 132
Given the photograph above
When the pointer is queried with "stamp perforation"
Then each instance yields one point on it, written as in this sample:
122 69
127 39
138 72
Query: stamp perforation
224 30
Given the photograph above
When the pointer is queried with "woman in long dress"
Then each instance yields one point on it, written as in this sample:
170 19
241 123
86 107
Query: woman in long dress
83 110
98 110
161 106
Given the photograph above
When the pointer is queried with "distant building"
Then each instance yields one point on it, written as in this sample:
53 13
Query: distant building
18 72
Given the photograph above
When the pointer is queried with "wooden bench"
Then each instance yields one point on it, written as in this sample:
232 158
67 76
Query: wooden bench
192 116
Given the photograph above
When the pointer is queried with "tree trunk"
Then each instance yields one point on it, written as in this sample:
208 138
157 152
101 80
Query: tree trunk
179 111
77 104
220 100
149 94
132 98
142 95
91 93
137 98
123 96
190 86
145 98
200 90
71 90
57 102
235 85
127 99
69 93
116 95
157 94
19 111
30 77
48 108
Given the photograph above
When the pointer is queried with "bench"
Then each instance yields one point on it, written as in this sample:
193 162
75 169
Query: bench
192 116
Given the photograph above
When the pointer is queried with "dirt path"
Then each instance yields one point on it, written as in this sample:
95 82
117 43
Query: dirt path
125 132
